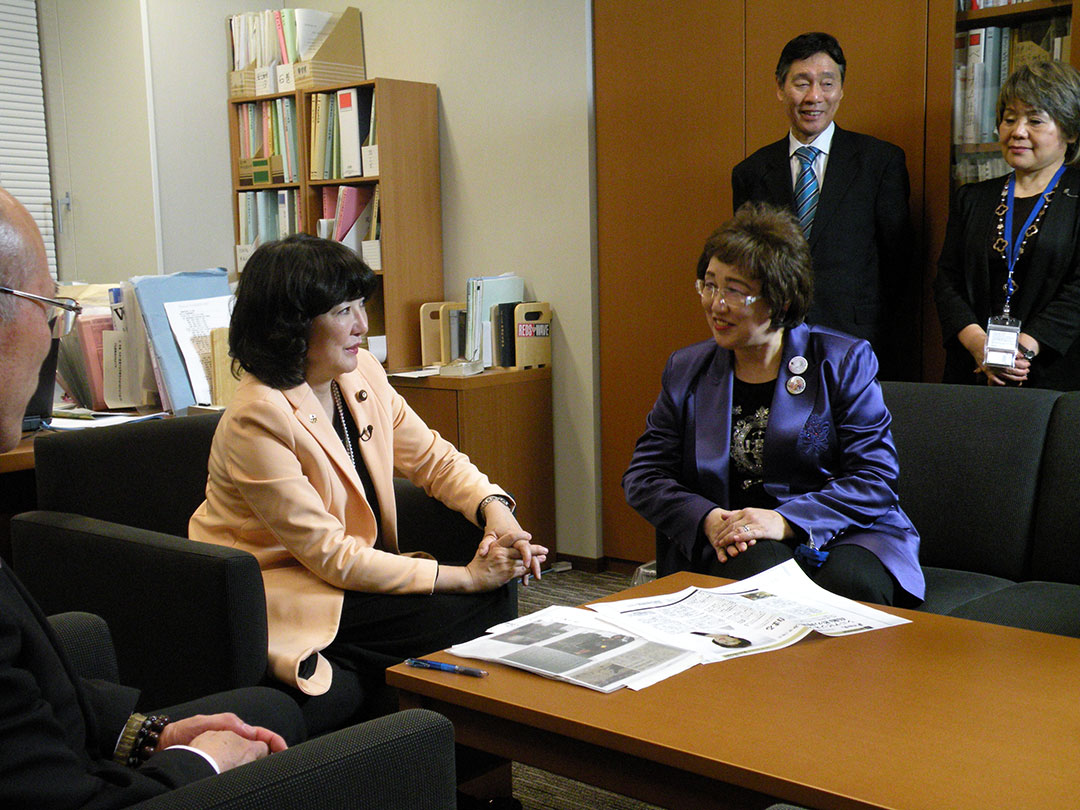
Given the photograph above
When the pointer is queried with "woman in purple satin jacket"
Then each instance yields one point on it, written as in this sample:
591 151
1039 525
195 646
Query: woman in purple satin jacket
771 440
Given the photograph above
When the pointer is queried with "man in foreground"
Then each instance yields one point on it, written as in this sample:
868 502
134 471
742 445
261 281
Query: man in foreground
66 742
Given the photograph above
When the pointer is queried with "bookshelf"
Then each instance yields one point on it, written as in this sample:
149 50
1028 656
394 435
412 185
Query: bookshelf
410 210
1028 30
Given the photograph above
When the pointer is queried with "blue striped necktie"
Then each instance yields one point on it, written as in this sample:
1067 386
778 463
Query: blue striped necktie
806 188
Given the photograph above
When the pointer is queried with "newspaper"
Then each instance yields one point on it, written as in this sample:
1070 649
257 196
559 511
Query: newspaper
638 642
573 645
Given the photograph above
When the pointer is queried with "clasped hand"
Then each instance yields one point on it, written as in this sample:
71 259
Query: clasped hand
225 737
730 532
505 547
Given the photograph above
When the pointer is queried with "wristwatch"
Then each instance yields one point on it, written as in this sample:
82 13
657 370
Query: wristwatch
1025 352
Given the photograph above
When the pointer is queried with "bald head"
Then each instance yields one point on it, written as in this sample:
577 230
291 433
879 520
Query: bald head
21 248
24 328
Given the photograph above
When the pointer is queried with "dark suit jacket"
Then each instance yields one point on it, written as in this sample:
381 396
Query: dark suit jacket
1047 298
58 732
861 241
829 456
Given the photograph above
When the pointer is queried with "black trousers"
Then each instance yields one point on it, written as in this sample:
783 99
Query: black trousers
850 571
380 630
255 705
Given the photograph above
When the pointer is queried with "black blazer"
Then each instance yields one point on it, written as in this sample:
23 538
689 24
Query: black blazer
58 732
1047 298
861 242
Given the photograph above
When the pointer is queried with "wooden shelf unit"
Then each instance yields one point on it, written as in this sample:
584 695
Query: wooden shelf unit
410 207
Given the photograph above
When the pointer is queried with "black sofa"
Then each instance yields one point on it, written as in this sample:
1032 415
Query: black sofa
188 619
346 770
991 479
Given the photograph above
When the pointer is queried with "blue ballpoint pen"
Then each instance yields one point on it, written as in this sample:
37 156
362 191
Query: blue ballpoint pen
423 663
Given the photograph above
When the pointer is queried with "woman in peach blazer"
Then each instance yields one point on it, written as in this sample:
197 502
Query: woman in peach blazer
313 432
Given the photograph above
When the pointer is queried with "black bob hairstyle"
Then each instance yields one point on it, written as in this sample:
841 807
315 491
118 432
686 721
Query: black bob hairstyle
285 285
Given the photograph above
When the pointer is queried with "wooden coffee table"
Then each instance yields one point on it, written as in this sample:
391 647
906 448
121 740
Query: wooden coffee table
939 714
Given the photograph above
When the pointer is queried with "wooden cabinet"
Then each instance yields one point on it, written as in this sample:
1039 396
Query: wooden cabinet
410 209
501 419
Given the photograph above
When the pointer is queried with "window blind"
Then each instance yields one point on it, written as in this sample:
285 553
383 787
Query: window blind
24 147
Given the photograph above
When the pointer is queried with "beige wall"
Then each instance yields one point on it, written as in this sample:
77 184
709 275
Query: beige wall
514 80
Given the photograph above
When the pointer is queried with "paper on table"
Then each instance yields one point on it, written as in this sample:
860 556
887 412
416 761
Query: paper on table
191 322
573 645
65 423
427 371
768 611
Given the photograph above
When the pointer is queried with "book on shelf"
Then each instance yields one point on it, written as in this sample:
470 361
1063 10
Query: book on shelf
369 151
354 116
329 169
482 293
318 134
355 207
268 215
370 246
502 337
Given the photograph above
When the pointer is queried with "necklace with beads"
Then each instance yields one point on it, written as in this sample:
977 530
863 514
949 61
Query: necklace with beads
339 411
1009 248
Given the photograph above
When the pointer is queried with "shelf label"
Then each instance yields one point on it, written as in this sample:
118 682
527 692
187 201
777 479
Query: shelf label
243 253
264 81
371 253
286 82
369 159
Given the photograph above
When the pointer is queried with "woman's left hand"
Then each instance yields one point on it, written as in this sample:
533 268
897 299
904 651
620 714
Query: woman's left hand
500 526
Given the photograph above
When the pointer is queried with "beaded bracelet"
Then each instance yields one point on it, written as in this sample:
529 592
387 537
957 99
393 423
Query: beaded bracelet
139 739
480 509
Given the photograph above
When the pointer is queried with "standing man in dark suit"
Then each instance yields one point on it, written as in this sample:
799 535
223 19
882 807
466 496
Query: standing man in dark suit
66 742
850 193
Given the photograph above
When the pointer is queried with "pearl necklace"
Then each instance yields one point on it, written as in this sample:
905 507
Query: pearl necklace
339 408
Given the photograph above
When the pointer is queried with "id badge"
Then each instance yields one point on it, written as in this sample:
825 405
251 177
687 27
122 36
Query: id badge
1002 339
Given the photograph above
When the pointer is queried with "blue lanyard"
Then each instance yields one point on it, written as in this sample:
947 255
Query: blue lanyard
1012 246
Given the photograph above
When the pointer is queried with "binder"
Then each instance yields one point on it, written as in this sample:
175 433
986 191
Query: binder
152 292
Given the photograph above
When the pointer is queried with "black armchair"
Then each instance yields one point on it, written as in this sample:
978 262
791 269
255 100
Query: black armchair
188 619
346 770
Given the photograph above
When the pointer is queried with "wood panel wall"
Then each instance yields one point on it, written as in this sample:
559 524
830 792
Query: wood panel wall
683 92
669 127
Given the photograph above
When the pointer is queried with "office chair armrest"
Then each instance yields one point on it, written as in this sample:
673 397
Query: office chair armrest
86 640
187 618
401 760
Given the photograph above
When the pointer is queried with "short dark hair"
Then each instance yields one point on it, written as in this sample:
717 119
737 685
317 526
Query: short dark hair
767 244
1052 88
285 285
806 45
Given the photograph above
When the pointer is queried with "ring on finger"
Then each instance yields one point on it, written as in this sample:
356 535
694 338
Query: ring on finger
745 528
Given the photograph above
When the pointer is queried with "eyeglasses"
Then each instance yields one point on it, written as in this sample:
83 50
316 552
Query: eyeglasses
733 298
59 312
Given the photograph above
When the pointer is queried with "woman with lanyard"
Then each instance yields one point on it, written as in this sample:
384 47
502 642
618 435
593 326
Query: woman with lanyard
1008 283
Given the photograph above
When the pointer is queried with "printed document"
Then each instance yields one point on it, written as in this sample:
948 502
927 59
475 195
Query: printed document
638 642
